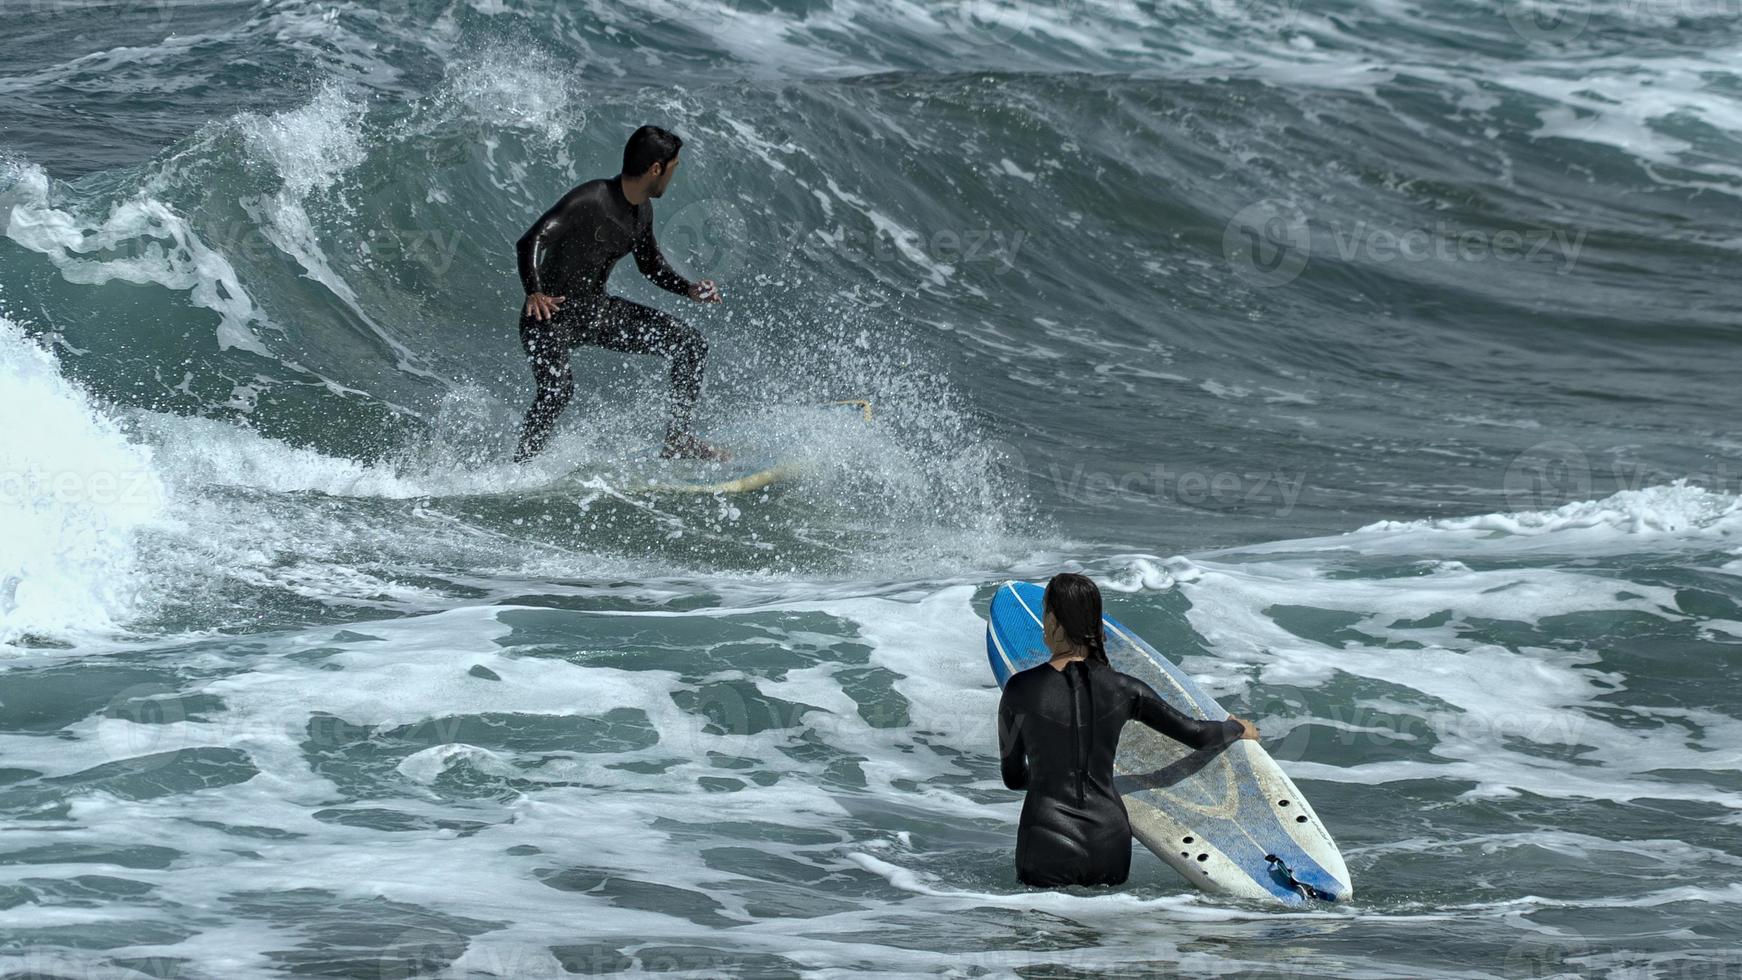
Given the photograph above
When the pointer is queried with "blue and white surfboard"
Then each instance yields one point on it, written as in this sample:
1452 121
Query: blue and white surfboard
1229 820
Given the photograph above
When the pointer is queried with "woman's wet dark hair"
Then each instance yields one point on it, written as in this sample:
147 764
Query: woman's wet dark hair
647 146
1075 602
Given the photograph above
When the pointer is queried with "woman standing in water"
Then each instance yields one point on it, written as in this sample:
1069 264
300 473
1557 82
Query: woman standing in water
1058 730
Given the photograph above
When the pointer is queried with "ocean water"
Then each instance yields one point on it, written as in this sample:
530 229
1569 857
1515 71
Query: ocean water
1377 358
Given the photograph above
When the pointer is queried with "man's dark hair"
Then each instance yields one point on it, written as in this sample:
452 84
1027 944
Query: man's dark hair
647 146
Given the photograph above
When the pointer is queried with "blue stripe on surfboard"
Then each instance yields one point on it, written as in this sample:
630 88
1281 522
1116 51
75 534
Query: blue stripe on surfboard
1002 668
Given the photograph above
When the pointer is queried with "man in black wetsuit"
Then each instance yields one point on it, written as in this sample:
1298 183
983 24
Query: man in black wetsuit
565 258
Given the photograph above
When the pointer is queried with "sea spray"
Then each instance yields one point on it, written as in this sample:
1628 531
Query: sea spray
74 494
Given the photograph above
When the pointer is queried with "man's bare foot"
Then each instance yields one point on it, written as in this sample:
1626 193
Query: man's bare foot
685 446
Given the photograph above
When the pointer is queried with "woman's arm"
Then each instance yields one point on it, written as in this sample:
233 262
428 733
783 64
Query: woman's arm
1150 709
1011 751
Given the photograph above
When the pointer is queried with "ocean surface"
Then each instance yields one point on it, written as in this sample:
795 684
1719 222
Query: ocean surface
1379 359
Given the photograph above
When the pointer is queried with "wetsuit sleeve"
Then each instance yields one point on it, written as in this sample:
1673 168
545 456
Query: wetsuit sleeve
1012 753
559 221
1150 709
651 261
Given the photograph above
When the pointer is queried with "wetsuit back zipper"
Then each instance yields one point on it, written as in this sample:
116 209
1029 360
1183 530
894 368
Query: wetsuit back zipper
1089 740
1076 732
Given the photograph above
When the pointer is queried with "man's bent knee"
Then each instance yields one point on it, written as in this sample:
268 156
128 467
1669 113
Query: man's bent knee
556 394
693 344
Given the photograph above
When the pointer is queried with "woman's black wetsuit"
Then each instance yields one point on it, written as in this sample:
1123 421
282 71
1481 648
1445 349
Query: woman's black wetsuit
1058 731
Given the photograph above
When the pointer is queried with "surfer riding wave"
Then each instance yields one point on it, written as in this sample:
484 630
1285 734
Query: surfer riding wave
564 260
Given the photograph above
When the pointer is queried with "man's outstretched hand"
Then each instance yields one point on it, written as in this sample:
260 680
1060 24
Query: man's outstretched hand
1247 729
542 307
705 291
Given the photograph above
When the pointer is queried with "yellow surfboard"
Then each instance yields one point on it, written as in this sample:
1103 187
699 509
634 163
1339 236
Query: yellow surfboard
750 474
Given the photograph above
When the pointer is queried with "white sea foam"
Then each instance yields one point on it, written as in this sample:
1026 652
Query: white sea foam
1677 511
166 251
74 495
1489 709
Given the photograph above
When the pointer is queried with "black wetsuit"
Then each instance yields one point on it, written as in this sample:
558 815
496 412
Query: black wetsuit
569 252
1058 731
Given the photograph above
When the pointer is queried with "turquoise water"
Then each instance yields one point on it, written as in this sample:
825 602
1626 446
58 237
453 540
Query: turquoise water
1375 358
